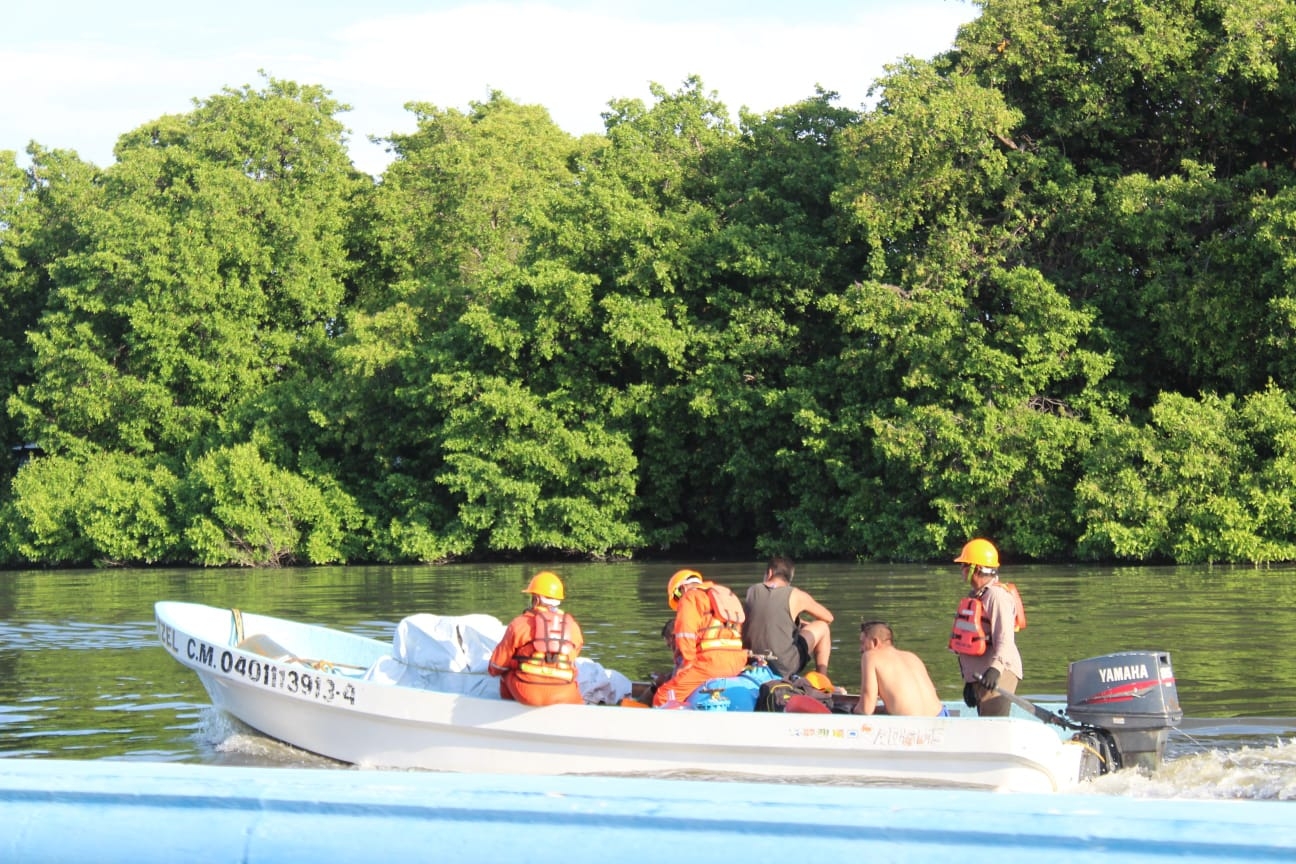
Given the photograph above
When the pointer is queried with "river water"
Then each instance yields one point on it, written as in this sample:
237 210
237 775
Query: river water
82 675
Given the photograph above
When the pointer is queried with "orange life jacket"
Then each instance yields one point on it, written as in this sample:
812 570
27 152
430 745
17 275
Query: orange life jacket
551 647
724 630
969 636
1019 611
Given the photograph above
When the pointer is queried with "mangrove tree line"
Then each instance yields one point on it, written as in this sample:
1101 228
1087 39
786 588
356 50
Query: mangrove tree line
1042 289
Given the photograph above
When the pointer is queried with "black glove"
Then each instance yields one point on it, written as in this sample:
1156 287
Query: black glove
990 678
969 695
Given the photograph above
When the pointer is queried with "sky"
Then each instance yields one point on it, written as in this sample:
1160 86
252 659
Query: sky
77 74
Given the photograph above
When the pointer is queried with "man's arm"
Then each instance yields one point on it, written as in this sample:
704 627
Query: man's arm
802 602
502 658
999 606
688 621
868 687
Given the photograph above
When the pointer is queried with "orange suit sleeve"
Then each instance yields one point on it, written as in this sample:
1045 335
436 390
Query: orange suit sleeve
502 658
688 623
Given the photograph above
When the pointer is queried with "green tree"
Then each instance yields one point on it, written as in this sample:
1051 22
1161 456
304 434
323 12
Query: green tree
211 254
244 510
969 379
1206 480
104 508
638 225
205 264
1176 114
20 294
773 265
1141 84
488 439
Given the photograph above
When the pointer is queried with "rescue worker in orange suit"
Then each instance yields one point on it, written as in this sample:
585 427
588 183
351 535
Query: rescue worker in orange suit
707 635
983 634
536 659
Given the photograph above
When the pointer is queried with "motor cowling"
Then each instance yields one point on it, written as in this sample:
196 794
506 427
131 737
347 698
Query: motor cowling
1131 695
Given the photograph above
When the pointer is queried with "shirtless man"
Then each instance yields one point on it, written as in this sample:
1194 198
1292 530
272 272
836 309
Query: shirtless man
897 677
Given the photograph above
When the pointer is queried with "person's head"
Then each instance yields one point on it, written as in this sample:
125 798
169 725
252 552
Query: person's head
980 560
546 588
780 567
874 634
679 583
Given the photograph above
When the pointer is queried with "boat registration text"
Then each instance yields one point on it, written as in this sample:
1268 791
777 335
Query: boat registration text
267 673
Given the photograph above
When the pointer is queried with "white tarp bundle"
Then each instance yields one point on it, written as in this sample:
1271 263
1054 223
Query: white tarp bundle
600 686
451 654
447 653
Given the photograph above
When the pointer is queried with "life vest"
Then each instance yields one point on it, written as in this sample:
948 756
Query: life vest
724 630
969 636
551 647
1019 611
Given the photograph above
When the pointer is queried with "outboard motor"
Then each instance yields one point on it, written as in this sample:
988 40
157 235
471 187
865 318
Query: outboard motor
1130 696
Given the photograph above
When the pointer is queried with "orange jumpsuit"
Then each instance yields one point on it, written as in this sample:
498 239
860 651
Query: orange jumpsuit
708 641
536 659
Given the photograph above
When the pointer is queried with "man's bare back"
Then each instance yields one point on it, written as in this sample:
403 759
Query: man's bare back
898 678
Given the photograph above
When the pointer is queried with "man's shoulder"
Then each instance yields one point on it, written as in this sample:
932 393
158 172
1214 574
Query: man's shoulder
998 593
876 660
801 596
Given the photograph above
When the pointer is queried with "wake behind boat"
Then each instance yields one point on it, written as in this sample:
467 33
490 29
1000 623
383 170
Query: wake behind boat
311 687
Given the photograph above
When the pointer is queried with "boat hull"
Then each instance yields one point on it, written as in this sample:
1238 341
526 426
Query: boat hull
333 712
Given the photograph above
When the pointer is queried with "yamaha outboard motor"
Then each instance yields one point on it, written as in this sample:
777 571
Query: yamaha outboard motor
1131 696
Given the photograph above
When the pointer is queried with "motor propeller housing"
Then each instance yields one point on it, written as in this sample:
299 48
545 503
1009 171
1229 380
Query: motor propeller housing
1131 696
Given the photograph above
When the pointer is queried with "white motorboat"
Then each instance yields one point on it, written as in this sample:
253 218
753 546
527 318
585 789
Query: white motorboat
309 686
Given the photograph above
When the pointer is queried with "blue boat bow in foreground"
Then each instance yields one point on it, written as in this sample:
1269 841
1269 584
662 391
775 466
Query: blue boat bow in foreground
108 811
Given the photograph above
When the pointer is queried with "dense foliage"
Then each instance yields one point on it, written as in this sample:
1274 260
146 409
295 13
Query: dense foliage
1043 290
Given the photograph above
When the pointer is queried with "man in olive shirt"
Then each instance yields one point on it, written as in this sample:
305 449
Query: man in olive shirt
774 627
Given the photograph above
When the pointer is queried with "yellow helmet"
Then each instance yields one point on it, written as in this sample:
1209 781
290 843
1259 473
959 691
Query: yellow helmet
675 587
545 584
980 552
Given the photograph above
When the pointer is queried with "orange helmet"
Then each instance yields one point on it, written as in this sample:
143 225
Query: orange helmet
675 587
545 584
981 553
819 681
